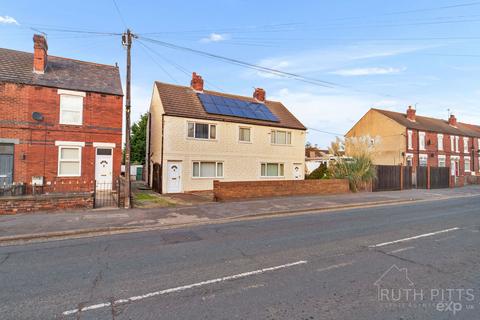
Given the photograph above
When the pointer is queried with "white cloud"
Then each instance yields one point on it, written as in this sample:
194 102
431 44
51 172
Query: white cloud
367 71
8 20
215 37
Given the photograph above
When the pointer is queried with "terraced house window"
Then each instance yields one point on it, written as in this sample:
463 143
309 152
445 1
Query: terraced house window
71 109
281 137
440 141
202 131
69 161
272 170
421 136
468 164
442 161
207 169
466 140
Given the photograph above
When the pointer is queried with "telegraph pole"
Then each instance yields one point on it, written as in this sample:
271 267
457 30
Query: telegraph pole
127 43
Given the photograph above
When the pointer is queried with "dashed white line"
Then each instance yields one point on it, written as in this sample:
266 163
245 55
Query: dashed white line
401 250
336 266
182 288
413 238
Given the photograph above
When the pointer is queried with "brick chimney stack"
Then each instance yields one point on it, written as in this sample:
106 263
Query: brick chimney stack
259 94
411 113
197 82
452 120
40 56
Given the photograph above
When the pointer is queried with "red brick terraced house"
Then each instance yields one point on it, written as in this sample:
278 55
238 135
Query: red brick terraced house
412 140
60 120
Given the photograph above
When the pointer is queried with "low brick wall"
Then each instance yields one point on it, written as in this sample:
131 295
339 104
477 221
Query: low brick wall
45 202
274 188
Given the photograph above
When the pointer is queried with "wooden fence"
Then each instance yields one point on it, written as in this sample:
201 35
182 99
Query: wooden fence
400 178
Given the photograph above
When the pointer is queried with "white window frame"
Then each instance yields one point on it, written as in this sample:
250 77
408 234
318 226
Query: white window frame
421 140
440 142
245 127
210 125
288 138
444 158
71 93
422 156
457 144
60 160
410 139
452 143
217 176
278 170
466 140
469 169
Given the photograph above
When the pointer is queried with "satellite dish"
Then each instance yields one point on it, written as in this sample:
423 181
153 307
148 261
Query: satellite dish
37 116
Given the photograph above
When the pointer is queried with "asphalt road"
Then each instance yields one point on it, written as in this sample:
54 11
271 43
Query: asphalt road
418 261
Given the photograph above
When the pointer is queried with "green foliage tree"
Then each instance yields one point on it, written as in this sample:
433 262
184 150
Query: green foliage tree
318 173
139 140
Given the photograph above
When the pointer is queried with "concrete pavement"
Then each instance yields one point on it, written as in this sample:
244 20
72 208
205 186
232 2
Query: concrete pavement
48 226
308 266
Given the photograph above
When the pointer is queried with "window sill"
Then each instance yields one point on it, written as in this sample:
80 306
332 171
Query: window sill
200 139
281 145
245 142
207 178
276 177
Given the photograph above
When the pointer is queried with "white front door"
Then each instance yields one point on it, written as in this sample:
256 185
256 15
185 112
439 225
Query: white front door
297 171
103 166
174 183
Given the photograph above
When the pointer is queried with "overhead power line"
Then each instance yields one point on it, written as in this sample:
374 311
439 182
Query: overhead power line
326 132
245 64
119 13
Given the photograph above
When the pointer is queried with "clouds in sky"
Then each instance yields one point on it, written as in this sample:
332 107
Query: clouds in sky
7 20
367 71
215 37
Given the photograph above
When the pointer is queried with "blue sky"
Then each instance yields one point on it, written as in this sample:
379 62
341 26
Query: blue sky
384 54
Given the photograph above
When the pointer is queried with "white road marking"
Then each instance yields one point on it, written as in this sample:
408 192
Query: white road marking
413 238
336 266
401 250
182 288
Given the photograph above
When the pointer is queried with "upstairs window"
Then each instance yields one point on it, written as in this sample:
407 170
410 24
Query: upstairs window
440 142
281 137
421 136
71 109
202 131
244 135
410 139
465 144
452 143
457 144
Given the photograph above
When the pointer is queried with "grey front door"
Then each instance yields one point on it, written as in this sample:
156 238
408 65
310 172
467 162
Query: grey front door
6 164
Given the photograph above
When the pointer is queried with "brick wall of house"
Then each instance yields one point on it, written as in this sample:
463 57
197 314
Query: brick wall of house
52 202
272 188
36 153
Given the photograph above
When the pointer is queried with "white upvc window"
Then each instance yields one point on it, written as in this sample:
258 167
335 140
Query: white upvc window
71 109
466 140
452 143
421 138
442 161
440 141
410 139
457 144
281 137
468 164
245 134
203 131
423 160
207 169
272 169
69 161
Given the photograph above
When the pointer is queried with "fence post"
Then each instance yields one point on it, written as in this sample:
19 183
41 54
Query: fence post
94 192
118 192
401 177
428 177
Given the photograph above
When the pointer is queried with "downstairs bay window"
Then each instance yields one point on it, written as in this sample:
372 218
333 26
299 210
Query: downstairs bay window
272 170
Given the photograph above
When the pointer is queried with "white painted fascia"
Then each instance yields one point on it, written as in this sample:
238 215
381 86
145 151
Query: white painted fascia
70 143
71 92
104 145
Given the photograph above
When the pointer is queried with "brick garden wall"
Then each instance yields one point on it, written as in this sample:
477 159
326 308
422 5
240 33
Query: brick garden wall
272 188
52 202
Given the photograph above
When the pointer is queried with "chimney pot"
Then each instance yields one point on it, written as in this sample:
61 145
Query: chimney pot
411 113
259 94
452 120
197 82
40 56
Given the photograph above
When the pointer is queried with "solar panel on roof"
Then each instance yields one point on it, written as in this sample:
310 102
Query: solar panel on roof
235 107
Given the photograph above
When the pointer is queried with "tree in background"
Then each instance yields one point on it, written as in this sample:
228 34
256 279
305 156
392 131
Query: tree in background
139 140
318 173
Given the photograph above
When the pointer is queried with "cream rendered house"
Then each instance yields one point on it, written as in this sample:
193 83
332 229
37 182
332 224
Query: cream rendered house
196 137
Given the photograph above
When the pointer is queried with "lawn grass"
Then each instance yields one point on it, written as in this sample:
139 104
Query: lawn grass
149 198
